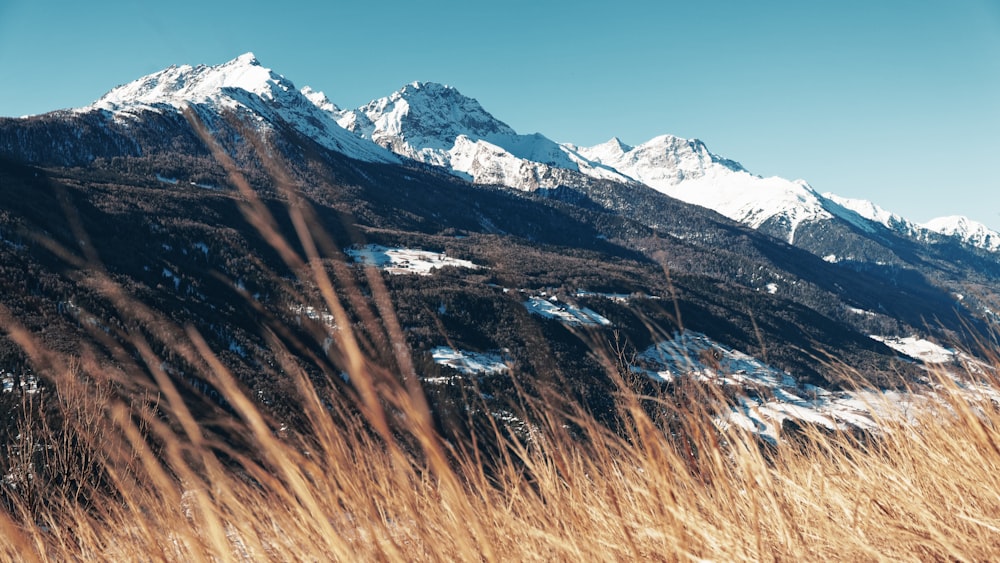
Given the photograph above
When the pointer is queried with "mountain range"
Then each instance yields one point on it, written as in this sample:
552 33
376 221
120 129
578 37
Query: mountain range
437 125
531 250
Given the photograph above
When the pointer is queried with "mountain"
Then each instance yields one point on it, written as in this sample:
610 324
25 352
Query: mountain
968 231
211 194
872 217
686 170
437 125
132 115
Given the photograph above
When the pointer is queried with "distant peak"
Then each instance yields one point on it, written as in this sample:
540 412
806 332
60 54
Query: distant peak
968 230
319 99
667 138
673 143
951 224
614 145
427 88
621 145
180 85
246 59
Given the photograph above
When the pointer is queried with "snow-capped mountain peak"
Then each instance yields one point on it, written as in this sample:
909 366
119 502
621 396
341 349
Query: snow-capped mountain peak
245 86
864 214
179 85
612 150
866 209
660 162
686 169
320 100
423 115
436 124
967 230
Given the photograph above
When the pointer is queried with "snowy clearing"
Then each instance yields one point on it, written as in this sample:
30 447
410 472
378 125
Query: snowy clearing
616 297
919 348
470 363
770 396
564 312
405 260
693 353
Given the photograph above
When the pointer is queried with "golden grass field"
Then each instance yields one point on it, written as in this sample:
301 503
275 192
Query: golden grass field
924 489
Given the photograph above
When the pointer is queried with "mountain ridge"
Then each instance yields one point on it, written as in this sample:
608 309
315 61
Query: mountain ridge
477 146
241 85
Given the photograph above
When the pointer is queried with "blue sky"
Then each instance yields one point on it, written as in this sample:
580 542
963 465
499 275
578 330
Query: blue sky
897 102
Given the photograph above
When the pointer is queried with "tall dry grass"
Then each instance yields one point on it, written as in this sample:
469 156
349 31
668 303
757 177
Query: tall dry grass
926 488
369 478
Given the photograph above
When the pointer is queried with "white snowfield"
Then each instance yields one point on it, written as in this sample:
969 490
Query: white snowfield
405 260
469 363
851 209
692 353
919 348
564 312
771 397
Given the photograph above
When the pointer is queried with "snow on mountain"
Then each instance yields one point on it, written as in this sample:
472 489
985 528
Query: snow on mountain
240 85
968 231
181 85
436 124
767 398
661 162
851 209
320 100
753 200
424 115
865 209
686 170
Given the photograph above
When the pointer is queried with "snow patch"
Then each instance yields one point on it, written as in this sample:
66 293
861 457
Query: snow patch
564 312
469 363
616 297
919 348
770 396
396 260
177 281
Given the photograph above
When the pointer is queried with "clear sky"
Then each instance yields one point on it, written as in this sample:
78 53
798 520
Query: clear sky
897 102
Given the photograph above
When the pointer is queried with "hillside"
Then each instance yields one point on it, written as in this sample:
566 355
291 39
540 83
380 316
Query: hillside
212 197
